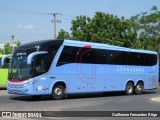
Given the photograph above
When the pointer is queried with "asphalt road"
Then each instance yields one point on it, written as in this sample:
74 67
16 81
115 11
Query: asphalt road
89 102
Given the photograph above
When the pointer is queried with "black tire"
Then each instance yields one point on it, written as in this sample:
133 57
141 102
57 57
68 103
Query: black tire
58 92
129 88
139 88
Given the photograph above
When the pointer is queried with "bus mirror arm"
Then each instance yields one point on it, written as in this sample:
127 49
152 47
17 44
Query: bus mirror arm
6 56
30 56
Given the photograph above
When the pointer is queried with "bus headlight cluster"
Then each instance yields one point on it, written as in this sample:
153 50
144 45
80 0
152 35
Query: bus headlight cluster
28 83
21 86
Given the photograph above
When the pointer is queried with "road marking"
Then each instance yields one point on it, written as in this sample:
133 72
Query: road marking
156 99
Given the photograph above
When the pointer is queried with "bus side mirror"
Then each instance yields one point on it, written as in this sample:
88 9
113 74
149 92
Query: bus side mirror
3 61
30 56
7 61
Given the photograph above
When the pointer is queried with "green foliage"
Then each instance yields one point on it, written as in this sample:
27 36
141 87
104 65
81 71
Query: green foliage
8 49
63 35
141 31
18 43
149 29
1 51
104 28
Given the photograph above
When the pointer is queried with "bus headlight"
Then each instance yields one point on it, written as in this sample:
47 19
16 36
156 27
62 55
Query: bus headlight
22 85
29 83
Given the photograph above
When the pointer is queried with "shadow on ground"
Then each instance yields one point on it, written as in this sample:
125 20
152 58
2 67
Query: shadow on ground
77 96
2 88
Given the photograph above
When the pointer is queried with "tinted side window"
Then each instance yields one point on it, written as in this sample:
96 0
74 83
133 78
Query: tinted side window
40 64
152 59
100 56
141 59
111 57
52 50
131 58
103 57
77 55
68 55
86 55
119 57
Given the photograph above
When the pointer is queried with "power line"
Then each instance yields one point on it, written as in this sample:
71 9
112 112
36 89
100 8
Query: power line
65 18
5 9
55 21
69 15
29 35
59 21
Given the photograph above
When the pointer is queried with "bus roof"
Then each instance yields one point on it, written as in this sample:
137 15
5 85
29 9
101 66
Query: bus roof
41 43
46 43
104 46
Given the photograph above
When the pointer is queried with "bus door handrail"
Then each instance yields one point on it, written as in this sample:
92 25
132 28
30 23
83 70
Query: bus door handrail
30 56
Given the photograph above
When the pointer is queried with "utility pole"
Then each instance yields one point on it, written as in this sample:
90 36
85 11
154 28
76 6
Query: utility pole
54 22
12 39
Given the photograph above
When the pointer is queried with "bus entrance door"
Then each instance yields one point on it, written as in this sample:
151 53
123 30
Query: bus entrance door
41 86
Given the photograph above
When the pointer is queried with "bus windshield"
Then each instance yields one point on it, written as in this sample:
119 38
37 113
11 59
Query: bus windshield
19 69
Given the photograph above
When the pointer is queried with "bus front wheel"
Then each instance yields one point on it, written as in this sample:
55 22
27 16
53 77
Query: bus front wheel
129 88
139 88
58 92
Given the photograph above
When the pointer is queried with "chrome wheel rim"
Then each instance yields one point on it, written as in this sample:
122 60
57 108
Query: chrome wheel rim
129 89
58 91
139 88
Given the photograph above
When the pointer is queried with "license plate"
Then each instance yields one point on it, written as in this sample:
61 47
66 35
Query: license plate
14 91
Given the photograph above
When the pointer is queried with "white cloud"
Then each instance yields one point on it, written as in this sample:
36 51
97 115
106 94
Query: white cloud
26 26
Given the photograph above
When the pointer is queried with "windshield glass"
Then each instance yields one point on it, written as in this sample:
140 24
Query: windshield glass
40 64
19 69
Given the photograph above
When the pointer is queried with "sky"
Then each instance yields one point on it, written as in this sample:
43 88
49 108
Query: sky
30 20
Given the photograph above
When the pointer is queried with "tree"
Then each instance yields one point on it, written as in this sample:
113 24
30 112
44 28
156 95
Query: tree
18 43
63 35
149 29
80 28
1 51
104 28
8 49
141 31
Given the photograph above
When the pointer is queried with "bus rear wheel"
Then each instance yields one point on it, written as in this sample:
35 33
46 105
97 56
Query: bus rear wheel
129 88
139 88
58 92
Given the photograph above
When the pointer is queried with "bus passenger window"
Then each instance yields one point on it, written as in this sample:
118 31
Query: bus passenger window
40 67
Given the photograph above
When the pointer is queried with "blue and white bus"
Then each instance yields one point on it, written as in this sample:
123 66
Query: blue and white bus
61 67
